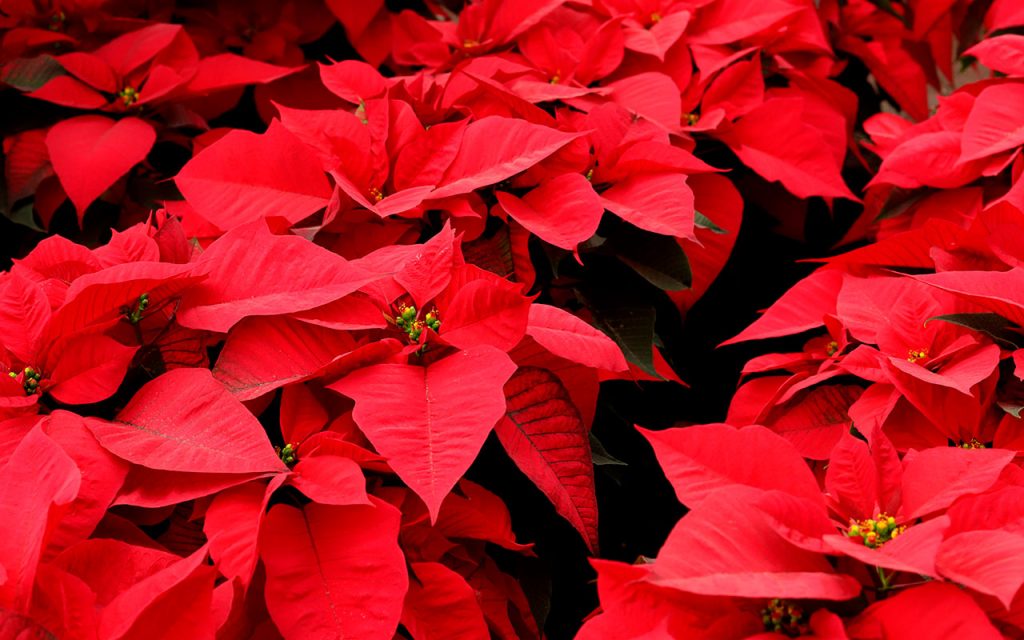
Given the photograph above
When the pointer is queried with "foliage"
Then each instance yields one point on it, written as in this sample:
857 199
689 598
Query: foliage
287 277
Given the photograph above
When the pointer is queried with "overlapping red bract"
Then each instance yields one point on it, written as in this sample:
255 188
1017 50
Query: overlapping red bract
250 413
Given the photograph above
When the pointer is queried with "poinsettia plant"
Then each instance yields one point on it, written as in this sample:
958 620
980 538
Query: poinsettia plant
316 318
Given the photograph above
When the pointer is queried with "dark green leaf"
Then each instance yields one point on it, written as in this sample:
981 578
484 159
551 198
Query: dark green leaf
993 325
600 455
629 323
705 222
28 74
899 201
1012 408
25 216
658 259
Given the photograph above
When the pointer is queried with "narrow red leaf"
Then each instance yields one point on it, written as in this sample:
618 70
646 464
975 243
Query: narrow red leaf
546 438
801 308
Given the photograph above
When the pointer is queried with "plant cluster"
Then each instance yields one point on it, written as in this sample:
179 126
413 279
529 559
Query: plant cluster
872 487
288 265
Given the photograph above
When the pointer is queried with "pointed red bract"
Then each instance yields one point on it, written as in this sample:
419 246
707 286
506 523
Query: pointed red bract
567 336
430 422
90 369
801 308
429 270
485 311
285 274
779 144
186 421
175 601
495 148
563 211
741 555
693 462
245 177
232 525
90 153
994 124
263 354
662 203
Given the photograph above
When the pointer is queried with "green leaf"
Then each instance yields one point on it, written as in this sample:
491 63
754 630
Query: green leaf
899 201
630 324
993 325
1012 408
24 216
656 258
705 222
600 455
28 74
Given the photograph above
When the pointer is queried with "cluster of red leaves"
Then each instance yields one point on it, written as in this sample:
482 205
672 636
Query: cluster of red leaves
873 486
249 414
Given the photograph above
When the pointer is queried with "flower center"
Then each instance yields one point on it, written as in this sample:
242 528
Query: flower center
785 617
57 21
288 453
655 18
875 532
832 348
973 443
377 194
408 321
916 355
129 95
691 118
29 379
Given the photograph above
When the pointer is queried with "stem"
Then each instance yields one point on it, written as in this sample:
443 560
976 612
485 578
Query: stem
884 579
